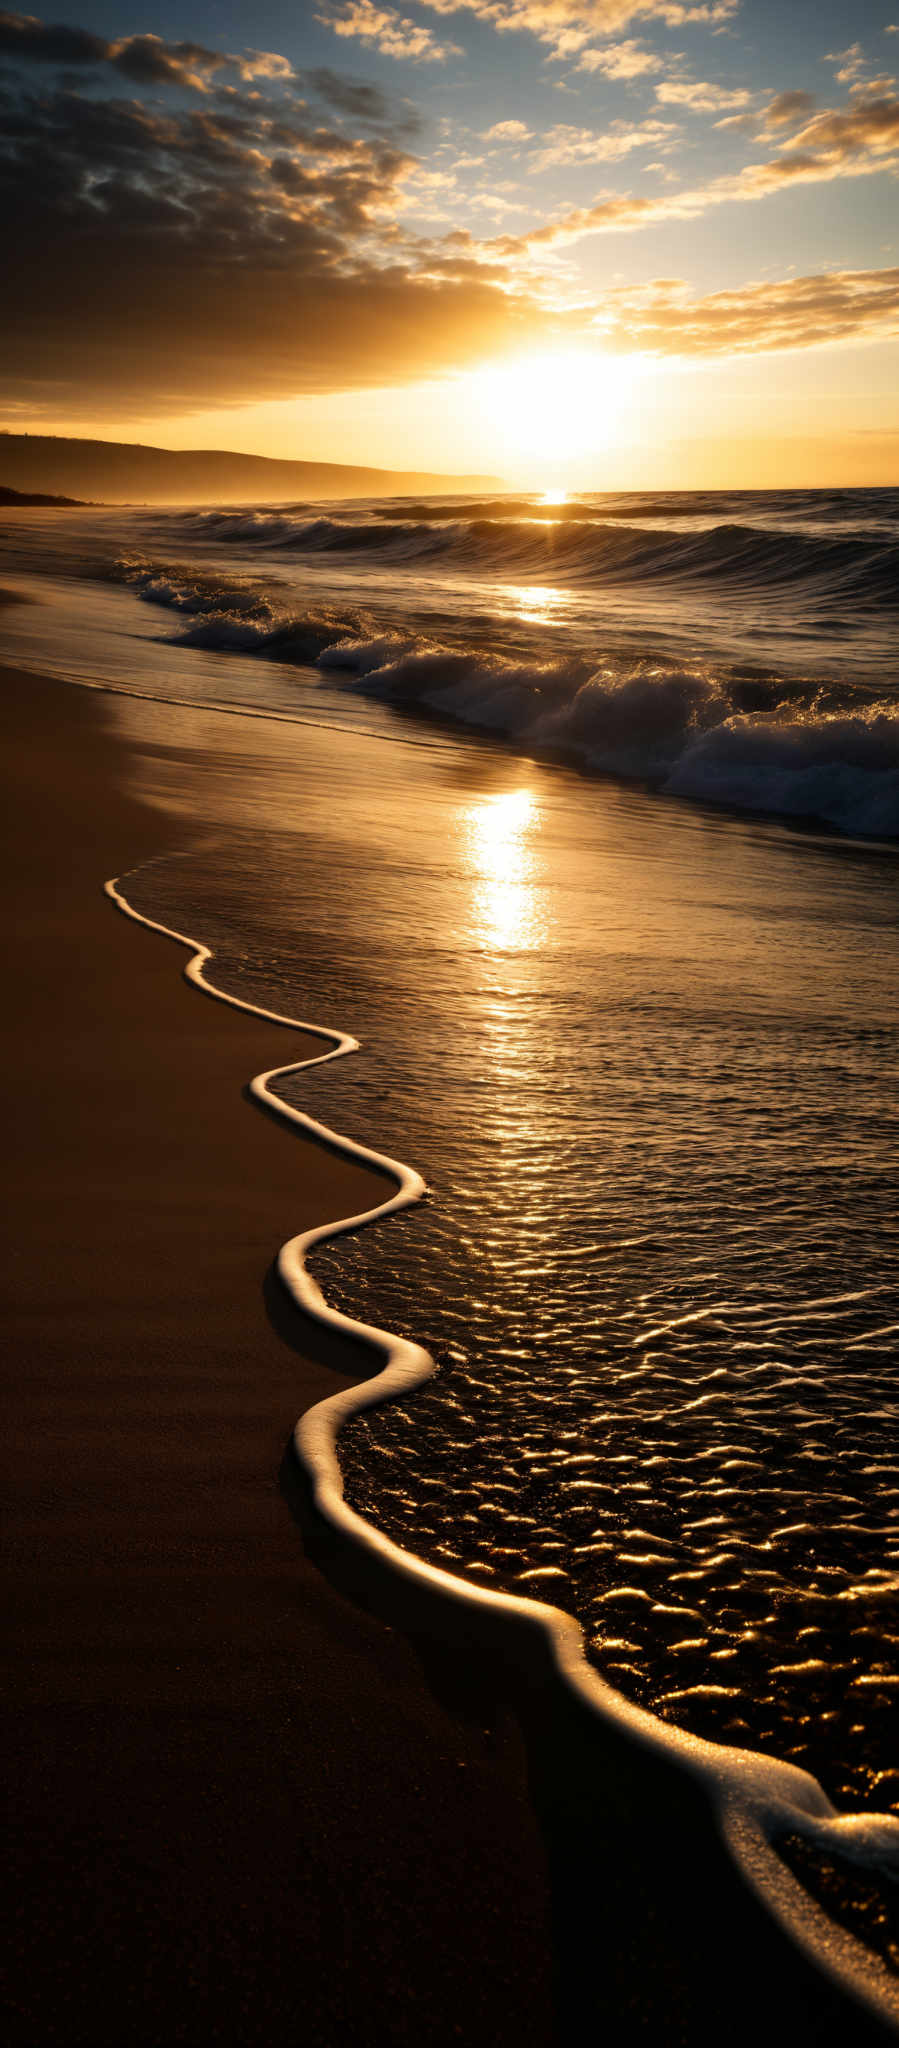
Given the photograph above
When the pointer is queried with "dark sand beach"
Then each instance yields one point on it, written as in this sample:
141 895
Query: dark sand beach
251 1799
238 1811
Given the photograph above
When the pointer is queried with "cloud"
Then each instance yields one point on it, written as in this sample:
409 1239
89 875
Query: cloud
801 312
857 142
574 25
145 59
613 214
738 121
621 60
699 98
507 131
384 29
662 318
567 145
787 109
851 62
30 40
149 60
568 27
163 252
158 258
262 64
366 103
868 129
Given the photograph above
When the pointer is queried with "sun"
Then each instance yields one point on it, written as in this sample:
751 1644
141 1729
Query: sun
554 407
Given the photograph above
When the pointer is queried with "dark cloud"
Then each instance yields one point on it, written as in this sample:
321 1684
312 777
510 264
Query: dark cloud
23 36
164 253
145 59
162 257
151 61
364 102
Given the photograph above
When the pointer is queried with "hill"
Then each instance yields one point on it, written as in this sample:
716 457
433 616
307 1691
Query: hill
121 474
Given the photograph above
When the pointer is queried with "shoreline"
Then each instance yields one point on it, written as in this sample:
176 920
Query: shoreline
677 1980
758 1800
238 1808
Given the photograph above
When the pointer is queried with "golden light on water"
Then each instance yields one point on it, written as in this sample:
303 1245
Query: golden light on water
499 822
498 834
541 604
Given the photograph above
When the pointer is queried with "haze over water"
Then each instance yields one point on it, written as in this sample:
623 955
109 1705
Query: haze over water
643 1051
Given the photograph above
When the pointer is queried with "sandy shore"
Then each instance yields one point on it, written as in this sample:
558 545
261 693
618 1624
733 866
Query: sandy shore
239 1813
245 1808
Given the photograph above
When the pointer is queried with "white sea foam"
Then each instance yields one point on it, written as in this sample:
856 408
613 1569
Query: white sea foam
764 735
756 1798
844 769
675 727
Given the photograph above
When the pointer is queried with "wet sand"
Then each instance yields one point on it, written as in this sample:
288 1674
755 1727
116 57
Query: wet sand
244 1805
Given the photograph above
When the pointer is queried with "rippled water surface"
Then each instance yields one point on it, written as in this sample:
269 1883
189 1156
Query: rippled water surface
646 1057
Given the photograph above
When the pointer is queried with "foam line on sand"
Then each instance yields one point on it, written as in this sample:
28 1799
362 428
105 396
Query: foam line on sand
755 1798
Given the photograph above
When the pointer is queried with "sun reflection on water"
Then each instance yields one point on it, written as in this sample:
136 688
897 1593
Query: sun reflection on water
539 603
498 835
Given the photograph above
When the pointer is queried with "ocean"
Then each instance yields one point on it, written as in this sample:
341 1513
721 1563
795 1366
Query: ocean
737 649
583 818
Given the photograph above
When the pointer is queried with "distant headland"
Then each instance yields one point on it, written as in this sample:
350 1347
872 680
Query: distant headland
10 497
120 473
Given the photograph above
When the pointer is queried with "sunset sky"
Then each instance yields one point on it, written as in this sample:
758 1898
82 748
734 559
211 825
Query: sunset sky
568 241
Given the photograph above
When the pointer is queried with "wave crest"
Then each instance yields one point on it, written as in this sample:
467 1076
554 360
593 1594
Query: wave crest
751 742
581 545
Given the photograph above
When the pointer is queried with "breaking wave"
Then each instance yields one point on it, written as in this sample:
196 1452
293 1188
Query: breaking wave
749 740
